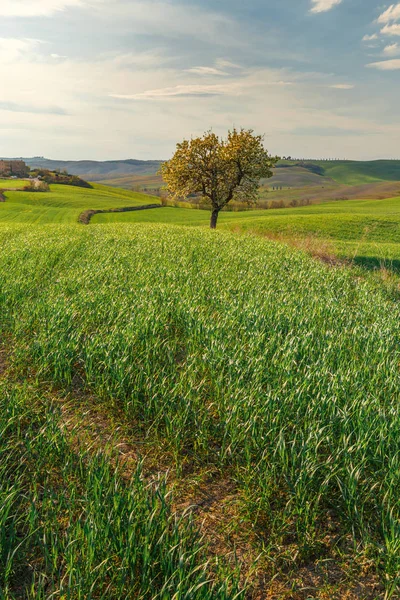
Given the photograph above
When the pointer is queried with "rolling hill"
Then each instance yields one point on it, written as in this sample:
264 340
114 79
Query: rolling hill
296 174
209 412
349 172
93 170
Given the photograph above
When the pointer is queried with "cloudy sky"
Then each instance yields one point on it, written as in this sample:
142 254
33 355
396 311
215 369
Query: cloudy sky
107 79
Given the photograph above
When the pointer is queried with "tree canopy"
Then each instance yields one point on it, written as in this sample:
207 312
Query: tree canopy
220 170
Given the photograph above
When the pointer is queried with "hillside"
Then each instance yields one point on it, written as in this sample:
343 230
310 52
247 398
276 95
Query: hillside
92 170
64 204
170 392
349 172
326 175
151 368
365 231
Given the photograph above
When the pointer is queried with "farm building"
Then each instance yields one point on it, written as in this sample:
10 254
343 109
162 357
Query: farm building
10 168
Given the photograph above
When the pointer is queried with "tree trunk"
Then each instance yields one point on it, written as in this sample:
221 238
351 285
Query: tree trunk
214 218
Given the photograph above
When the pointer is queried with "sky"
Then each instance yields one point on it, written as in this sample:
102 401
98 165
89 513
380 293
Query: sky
114 79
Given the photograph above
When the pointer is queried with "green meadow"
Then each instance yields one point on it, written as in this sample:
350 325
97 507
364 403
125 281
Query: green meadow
188 414
365 231
64 204
356 172
12 184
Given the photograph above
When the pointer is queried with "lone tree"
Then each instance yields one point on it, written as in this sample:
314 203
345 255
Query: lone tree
219 170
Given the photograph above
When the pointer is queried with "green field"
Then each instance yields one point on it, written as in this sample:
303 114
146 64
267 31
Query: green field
64 204
198 415
232 354
349 172
354 173
12 184
366 231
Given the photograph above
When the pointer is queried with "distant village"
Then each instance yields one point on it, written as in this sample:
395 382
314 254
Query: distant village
14 168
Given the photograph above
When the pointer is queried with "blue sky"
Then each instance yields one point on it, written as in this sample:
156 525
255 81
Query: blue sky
108 79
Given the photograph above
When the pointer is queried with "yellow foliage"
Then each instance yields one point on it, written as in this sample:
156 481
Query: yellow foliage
220 170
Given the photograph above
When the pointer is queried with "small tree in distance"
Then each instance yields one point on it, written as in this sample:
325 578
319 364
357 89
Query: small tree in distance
220 170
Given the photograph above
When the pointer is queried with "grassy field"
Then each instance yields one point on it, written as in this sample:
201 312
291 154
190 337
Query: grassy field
12 183
235 363
129 182
64 204
355 173
198 415
366 231
74 527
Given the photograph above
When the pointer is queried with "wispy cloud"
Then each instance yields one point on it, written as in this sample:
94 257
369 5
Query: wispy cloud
150 59
37 110
393 29
392 50
319 6
159 70
35 8
12 49
226 64
206 71
391 14
170 19
179 90
342 86
233 88
386 65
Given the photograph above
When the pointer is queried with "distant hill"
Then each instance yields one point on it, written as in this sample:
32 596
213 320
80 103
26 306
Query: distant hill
95 170
294 174
349 172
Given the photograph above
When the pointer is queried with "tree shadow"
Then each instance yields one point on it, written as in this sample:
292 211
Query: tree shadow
376 263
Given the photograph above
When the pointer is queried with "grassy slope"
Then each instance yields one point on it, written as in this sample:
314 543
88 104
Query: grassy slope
12 183
148 181
65 203
165 364
70 522
366 229
359 172
230 351
295 177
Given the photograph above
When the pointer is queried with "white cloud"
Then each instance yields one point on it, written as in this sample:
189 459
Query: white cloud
386 65
393 29
42 94
179 90
226 64
370 38
168 19
392 50
34 8
269 100
139 60
206 71
319 6
391 14
234 88
342 86
12 49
